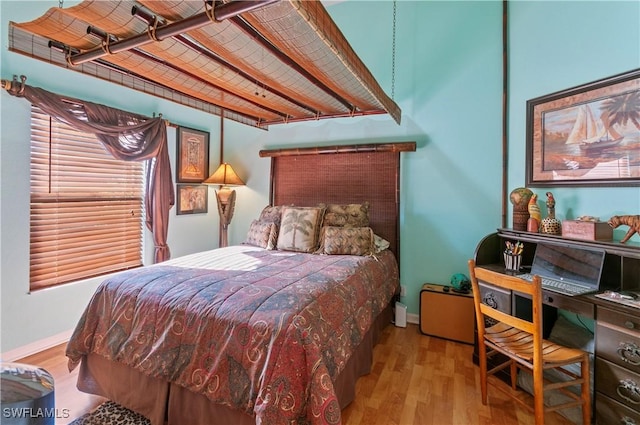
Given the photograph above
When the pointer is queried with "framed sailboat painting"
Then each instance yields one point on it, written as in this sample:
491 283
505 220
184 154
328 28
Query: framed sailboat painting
587 135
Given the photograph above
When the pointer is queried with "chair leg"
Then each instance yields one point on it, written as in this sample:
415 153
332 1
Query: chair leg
482 360
586 392
514 374
538 395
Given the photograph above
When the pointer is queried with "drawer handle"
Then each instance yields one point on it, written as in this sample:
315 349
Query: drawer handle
629 352
629 391
627 421
629 324
490 300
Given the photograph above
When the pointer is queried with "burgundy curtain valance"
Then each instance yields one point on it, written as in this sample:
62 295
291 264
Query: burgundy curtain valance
127 137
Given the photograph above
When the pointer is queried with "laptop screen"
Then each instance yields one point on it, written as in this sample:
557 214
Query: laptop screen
572 264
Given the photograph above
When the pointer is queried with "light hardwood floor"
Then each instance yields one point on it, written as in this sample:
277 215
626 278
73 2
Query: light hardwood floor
415 379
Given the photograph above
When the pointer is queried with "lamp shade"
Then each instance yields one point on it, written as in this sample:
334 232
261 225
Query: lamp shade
224 176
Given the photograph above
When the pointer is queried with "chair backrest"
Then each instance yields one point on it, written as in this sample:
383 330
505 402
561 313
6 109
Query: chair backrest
510 283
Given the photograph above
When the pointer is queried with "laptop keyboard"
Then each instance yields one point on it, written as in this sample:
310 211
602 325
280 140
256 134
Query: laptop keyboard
566 288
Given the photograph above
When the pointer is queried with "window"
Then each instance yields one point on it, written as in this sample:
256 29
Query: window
87 208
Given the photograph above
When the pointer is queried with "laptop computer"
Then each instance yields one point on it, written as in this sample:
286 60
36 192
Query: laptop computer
567 270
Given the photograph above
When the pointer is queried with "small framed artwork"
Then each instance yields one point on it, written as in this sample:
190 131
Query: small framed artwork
192 155
192 198
587 135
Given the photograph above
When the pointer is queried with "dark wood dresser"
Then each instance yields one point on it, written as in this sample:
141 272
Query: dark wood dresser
617 325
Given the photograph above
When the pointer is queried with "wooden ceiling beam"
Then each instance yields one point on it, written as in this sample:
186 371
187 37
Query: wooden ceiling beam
100 62
221 11
258 37
209 54
93 30
323 116
149 17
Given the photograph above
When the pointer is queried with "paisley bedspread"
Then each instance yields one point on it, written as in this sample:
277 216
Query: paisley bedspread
260 331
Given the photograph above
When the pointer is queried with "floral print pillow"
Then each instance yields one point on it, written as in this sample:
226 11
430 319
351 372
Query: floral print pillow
349 215
262 234
271 214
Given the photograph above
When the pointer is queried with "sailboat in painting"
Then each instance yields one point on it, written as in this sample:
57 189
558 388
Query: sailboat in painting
590 133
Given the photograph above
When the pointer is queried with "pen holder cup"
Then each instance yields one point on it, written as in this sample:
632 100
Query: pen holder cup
512 262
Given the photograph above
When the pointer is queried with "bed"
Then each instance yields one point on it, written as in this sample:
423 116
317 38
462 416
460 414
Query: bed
251 334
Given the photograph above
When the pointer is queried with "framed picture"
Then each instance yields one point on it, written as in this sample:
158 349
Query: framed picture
192 155
587 135
192 198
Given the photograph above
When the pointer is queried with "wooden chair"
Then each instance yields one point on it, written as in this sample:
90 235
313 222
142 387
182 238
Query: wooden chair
522 343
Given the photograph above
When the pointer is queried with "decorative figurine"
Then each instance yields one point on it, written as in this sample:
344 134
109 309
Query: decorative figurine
533 224
519 198
633 221
550 224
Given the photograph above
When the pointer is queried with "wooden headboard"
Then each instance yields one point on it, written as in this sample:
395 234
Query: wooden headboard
343 175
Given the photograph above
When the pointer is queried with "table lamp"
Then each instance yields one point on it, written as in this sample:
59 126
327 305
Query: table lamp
226 197
225 177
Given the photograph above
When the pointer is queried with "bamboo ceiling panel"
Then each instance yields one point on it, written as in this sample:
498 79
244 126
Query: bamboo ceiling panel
257 62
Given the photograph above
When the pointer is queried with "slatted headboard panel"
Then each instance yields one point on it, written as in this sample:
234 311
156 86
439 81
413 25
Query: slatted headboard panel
343 175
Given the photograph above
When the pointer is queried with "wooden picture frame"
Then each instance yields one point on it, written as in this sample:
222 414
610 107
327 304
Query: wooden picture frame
587 135
192 198
192 155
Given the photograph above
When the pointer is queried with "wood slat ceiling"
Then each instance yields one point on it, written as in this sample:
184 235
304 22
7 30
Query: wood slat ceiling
257 62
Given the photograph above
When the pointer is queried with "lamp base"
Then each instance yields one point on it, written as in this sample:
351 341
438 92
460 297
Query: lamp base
226 199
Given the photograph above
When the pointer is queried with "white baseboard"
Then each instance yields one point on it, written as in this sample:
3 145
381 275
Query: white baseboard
36 346
413 318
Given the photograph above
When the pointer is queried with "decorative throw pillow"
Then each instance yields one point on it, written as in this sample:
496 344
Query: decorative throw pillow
346 240
379 243
271 214
299 228
349 215
262 234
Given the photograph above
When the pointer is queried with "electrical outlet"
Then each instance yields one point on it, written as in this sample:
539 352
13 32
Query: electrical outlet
403 290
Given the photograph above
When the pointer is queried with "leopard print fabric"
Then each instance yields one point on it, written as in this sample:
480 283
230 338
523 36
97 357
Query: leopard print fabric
110 413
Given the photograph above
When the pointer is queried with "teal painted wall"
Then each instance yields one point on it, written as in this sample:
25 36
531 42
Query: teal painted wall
449 86
558 45
555 46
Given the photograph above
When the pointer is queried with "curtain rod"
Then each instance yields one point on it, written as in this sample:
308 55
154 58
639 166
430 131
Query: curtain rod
16 87
166 121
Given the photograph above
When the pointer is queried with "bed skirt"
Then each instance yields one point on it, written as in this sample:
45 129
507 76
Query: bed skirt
165 403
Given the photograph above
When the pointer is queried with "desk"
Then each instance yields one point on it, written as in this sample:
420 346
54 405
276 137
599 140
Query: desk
617 326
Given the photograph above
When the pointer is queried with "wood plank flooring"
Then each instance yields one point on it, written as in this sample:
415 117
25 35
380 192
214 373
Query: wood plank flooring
415 380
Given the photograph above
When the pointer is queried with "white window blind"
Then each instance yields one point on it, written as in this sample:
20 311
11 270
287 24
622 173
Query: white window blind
87 208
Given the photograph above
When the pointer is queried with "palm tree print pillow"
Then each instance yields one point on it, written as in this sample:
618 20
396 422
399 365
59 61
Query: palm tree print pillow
299 228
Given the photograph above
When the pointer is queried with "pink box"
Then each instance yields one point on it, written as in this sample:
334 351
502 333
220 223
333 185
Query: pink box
587 230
